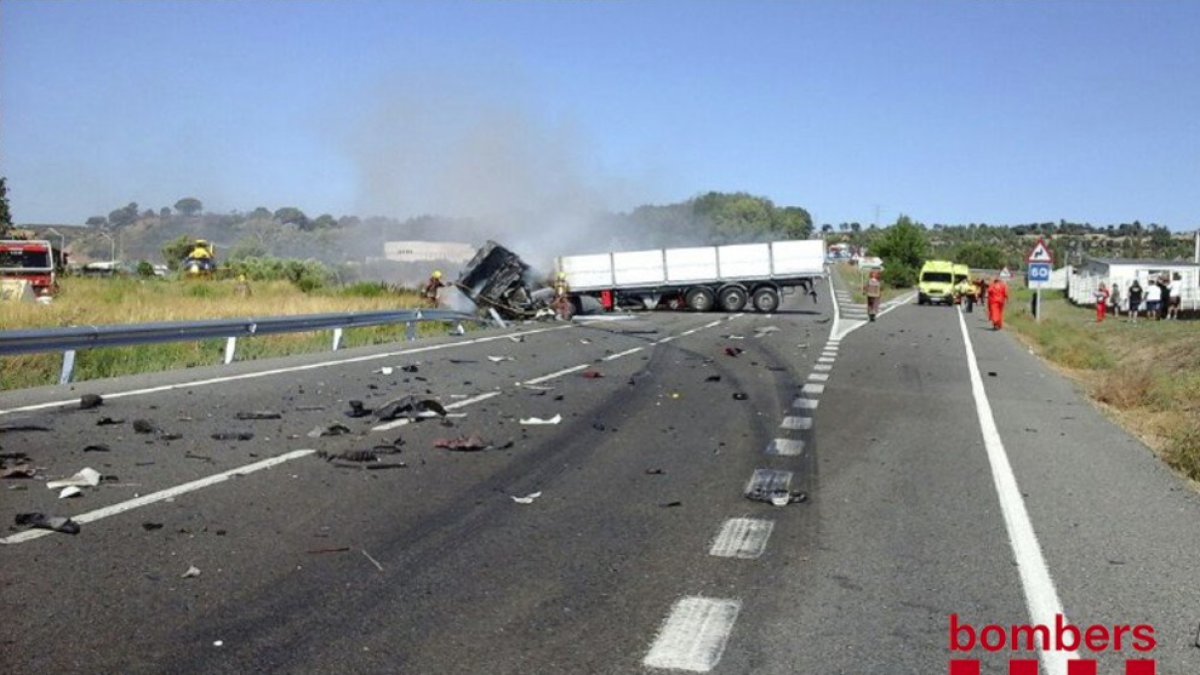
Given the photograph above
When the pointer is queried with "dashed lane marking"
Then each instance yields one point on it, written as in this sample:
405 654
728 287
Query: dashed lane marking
812 389
693 637
785 447
627 352
818 377
805 404
744 538
826 359
823 367
797 422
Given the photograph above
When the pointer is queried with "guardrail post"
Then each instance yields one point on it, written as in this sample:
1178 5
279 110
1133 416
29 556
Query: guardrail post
337 339
410 331
230 348
68 367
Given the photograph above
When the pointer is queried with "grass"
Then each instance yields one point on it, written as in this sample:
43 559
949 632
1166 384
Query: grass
97 301
854 278
1147 374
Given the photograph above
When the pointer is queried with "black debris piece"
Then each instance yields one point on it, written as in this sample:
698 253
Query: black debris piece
192 455
41 521
778 497
713 378
232 436
309 408
598 426
89 401
991 373
590 374
335 429
410 368
470 443
99 447
108 421
150 526
23 470
461 361
17 426
375 466
654 472
668 505
170 437
259 415
358 410
350 456
412 407
733 351
144 426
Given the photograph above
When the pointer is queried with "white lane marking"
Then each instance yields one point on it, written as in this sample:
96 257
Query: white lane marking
93 516
665 340
805 404
1041 598
785 447
837 312
714 324
812 389
766 481
278 371
797 422
826 359
823 367
744 538
452 406
556 374
627 352
688 332
693 637
818 377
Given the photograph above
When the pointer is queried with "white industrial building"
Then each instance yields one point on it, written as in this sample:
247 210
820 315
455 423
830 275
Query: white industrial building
1122 271
428 251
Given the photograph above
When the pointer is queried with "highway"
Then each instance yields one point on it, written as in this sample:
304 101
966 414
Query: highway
936 468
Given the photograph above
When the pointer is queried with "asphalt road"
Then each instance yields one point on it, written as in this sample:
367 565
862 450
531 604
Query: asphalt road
642 552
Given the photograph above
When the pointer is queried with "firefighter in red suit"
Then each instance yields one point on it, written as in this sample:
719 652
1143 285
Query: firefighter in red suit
997 295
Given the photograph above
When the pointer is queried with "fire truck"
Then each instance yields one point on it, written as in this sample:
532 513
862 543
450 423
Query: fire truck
33 260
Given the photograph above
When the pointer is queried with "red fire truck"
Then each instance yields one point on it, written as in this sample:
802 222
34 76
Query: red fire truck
33 260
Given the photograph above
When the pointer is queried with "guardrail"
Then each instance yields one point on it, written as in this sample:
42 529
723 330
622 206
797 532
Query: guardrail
68 340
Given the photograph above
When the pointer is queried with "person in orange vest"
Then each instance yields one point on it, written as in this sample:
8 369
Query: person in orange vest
1101 302
997 295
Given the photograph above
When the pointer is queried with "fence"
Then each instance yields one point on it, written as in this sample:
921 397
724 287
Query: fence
68 340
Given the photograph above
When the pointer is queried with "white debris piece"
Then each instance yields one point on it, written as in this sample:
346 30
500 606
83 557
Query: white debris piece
85 478
527 499
70 492
192 571
537 420
498 359
387 370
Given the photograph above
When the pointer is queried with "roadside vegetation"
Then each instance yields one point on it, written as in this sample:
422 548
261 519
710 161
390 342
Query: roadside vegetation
854 278
85 301
1146 374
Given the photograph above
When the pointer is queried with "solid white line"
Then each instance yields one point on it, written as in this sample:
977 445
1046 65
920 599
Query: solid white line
560 373
1041 598
822 367
805 404
278 371
744 538
797 422
785 447
93 516
627 352
812 389
693 637
818 377
452 406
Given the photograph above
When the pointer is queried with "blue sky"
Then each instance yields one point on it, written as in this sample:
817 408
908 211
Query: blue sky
997 111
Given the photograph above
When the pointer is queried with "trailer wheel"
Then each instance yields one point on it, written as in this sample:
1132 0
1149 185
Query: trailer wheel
700 299
766 300
732 298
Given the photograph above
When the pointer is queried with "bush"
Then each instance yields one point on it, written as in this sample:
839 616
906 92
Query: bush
898 275
307 275
144 269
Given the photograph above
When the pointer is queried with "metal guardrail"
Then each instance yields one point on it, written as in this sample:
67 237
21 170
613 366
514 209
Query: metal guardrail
68 340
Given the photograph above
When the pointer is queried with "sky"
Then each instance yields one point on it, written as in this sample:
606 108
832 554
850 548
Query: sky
973 111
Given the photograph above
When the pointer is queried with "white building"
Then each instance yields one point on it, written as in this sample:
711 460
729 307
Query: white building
428 251
1122 271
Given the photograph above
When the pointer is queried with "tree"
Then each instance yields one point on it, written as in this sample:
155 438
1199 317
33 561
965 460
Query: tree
979 256
124 216
827 228
903 248
290 215
189 206
176 250
5 214
164 212
324 221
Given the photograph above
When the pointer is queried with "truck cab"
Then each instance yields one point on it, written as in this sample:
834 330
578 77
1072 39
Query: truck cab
32 260
936 282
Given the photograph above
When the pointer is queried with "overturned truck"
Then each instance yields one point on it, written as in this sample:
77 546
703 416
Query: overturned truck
702 278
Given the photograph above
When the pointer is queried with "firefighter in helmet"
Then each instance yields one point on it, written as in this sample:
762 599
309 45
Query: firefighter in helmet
430 291
562 300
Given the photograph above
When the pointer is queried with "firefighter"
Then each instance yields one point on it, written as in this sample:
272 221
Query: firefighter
430 291
873 289
997 296
562 300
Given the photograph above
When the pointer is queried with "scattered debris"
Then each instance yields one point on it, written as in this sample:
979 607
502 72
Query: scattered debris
373 560
498 359
335 429
590 374
144 426
991 373
733 351
41 521
108 421
739 396
192 571
778 497
68 492
169 437
233 436
18 426
470 443
309 408
598 426
670 505
86 477
411 368
517 338
89 401
654 472
527 499
713 378
462 361
350 456
23 470
192 455
386 370
150 526
374 466
766 330
537 420
412 407
339 549
357 409
99 447
584 341
259 415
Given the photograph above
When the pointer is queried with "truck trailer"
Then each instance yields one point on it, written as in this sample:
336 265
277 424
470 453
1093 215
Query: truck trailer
699 278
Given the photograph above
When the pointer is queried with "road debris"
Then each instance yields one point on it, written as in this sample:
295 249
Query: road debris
370 466
655 472
108 421
778 496
538 420
713 378
41 521
411 407
233 436
372 559
335 429
470 443
86 477
739 396
192 455
144 427
192 571
733 351
69 492
99 447
259 415
670 505
590 374
357 409
350 455
527 499
19 427
338 549
498 359
22 469
89 401
386 370
766 330
150 525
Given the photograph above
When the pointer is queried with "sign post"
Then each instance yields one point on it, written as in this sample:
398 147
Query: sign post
1038 266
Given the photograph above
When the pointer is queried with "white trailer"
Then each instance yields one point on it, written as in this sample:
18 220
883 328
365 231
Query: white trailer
700 278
